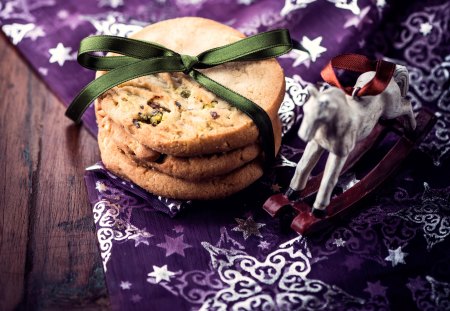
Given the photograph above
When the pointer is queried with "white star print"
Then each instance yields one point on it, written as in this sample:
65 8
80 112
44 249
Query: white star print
313 47
425 28
101 187
60 54
396 256
300 57
264 245
35 33
160 274
339 242
358 20
125 285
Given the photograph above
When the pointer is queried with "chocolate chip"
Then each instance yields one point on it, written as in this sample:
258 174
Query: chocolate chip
214 115
136 123
177 104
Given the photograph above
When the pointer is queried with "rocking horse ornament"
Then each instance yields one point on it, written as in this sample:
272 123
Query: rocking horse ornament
336 121
345 122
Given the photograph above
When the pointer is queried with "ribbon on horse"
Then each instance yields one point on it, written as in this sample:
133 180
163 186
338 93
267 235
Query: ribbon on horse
358 63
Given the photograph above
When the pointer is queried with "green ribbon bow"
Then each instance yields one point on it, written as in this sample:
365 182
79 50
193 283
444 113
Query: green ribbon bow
143 58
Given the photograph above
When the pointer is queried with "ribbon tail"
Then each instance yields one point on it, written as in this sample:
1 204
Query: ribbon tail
255 112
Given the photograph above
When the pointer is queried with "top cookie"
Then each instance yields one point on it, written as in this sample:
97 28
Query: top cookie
173 114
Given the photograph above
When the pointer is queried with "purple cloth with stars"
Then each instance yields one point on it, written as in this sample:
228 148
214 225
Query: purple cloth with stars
159 254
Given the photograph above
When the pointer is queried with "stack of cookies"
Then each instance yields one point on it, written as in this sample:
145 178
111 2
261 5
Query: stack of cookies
174 138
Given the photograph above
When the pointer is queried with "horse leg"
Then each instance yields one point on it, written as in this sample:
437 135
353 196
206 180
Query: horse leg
304 167
407 110
331 174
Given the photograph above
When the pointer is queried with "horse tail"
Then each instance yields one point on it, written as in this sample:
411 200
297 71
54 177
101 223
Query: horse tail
401 77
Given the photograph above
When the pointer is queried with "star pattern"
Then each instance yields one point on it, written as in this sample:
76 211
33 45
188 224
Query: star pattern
125 285
248 227
425 28
160 274
313 47
299 57
375 289
101 187
174 245
339 242
35 33
263 245
60 54
358 21
396 256
275 188
140 236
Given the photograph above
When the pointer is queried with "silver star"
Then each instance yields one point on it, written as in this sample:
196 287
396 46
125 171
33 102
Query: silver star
60 54
248 227
264 245
339 242
425 28
125 285
313 47
101 187
160 274
358 20
396 256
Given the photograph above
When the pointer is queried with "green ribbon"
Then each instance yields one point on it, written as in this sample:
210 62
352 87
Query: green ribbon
141 58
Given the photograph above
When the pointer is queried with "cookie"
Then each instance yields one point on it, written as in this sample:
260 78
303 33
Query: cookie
168 186
190 168
172 114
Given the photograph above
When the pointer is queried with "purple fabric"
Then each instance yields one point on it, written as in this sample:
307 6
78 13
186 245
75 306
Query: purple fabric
159 254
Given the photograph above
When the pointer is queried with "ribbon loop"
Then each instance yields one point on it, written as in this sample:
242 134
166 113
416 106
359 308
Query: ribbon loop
189 62
140 58
359 63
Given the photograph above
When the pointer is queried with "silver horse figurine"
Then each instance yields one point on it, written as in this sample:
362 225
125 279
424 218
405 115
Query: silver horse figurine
335 121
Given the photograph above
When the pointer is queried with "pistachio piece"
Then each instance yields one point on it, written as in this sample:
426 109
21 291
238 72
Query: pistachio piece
185 93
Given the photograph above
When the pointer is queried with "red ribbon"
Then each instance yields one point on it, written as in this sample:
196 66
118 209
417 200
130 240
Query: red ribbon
358 63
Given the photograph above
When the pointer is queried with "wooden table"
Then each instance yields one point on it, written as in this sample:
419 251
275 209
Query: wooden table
49 258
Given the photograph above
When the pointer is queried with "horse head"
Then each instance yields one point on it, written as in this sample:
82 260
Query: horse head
320 109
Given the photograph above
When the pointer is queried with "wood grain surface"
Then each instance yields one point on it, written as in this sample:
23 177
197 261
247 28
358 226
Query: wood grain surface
49 258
